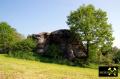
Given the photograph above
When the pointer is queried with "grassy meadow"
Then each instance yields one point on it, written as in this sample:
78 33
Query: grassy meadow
12 68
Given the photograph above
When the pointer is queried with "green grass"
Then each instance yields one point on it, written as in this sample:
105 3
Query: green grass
11 68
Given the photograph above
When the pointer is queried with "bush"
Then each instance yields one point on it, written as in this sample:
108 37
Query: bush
23 55
106 60
24 49
117 57
54 51
24 45
93 56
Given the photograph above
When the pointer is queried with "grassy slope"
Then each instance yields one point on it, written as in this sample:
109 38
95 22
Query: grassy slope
11 68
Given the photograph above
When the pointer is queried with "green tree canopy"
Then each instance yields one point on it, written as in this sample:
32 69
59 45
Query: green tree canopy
92 26
8 36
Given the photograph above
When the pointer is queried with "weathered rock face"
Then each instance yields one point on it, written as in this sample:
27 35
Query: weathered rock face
68 44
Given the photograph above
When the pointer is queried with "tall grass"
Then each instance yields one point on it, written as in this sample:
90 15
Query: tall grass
11 68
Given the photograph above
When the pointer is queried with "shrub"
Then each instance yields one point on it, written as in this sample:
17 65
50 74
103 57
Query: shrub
24 45
24 49
117 57
106 60
23 55
54 51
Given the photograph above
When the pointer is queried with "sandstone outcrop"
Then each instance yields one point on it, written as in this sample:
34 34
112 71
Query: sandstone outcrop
68 43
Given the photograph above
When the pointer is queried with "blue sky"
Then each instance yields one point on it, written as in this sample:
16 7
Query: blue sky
34 16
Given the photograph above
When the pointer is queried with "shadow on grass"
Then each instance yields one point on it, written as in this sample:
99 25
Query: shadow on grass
61 61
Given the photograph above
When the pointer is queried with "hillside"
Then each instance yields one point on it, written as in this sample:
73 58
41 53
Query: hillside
11 68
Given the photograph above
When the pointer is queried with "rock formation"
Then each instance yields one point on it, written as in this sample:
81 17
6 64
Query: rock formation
71 46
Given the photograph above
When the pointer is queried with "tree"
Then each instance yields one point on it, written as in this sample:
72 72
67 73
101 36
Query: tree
8 36
116 55
93 29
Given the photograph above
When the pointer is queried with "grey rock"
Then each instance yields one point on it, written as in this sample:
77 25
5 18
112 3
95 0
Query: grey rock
68 43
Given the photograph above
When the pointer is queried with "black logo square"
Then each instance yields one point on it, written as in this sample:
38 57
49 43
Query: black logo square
108 71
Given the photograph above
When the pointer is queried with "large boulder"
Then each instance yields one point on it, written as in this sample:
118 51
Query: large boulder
68 43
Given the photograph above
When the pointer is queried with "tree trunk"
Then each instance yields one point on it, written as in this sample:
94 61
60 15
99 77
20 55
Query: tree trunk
88 42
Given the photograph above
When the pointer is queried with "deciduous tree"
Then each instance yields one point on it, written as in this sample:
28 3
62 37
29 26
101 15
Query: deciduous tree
93 28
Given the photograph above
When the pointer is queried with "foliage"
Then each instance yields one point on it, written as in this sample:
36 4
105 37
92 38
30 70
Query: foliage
117 56
93 29
8 36
24 49
88 23
23 55
107 59
24 45
54 51
93 54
